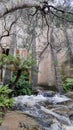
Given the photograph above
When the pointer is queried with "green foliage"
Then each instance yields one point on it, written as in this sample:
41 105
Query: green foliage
3 59
68 84
23 85
1 120
16 63
5 101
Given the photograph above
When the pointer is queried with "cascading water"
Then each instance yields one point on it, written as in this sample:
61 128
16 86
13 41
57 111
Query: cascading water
49 108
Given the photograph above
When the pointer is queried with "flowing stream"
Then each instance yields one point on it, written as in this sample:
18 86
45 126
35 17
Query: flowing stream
52 110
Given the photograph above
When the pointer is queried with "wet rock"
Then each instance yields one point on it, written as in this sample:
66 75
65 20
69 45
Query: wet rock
16 120
51 110
45 123
47 93
61 118
56 126
71 118
62 110
4 128
69 94
68 128
70 105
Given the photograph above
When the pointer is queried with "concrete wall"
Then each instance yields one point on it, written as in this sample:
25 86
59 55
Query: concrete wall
46 75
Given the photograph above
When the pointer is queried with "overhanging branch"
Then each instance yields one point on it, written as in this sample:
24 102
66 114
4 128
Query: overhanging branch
11 6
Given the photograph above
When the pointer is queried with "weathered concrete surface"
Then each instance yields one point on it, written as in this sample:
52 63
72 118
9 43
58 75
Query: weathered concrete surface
46 75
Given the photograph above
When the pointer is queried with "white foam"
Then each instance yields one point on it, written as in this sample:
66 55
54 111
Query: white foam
60 98
30 100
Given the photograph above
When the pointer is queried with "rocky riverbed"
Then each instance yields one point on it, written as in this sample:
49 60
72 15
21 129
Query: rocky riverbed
46 111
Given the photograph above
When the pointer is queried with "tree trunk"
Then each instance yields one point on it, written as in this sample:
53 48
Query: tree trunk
19 72
12 50
55 61
68 44
34 67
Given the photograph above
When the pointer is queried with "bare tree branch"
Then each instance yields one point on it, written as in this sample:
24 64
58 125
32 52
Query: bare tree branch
8 31
61 17
12 6
59 10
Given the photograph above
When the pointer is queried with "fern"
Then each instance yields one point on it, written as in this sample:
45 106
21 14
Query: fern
68 84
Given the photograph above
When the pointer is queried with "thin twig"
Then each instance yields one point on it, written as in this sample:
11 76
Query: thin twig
60 17
59 10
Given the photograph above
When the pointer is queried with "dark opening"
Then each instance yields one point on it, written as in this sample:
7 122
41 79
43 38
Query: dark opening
5 51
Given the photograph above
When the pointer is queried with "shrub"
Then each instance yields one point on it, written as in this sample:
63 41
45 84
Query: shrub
5 101
23 85
68 84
